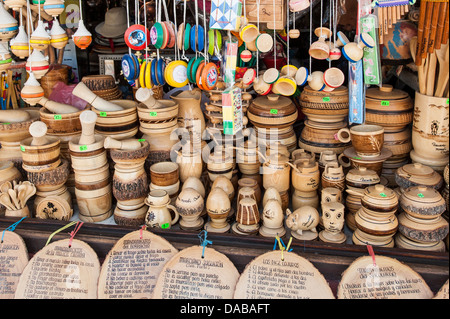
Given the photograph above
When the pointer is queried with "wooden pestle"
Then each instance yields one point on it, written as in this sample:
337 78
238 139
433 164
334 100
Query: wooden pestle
38 131
87 119
57 108
145 96
128 144
83 92
14 116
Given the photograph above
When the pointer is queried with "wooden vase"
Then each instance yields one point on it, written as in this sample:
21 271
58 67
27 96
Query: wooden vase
218 207
247 217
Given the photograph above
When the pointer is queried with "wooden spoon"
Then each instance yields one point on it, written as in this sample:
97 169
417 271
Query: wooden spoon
432 61
6 201
14 199
5 186
22 191
443 58
420 68
31 190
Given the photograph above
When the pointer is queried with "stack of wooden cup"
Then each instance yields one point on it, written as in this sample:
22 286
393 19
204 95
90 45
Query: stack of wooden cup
376 222
326 114
166 176
357 179
48 172
130 180
421 226
91 168
158 119
305 181
393 110
367 147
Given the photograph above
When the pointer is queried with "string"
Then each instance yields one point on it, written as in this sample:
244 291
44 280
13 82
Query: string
144 227
29 26
73 232
128 23
321 15
310 33
12 227
331 28
205 32
59 230
203 241
196 28
183 56
257 55
175 29
145 25
274 36
287 41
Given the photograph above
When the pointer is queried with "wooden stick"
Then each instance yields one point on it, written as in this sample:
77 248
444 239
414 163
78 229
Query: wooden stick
380 24
440 26
394 15
426 31
422 13
389 15
445 35
431 73
434 21
385 23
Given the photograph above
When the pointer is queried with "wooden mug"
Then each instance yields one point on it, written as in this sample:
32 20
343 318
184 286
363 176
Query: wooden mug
367 139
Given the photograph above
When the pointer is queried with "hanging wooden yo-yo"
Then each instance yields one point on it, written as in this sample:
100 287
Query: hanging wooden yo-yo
5 58
38 63
341 40
301 76
264 42
261 87
130 67
335 53
32 92
171 38
294 33
249 76
15 4
136 37
209 76
82 37
246 55
320 50
249 33
58 36
54 7
8 25
271 75
40 39
285 85
19 44
353 51
333 77
315 81
175 74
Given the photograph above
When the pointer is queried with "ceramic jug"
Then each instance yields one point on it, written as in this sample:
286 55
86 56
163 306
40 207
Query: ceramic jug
158 214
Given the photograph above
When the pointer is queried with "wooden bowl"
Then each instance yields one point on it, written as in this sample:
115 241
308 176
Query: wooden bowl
130 157
40 158
16 132
118 124
164 173
61 124
51 179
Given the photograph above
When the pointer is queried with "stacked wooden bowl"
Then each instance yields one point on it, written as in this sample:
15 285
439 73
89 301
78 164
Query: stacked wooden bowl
393 110
104 86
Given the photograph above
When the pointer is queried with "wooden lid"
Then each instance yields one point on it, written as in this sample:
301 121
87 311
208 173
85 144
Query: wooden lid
138 257
13 259
362 176
213 276
294 277
388 99
423 194
263 105
54 207
60 271
387 279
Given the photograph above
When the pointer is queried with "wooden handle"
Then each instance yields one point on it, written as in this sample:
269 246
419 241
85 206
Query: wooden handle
38 130
422 13
87 119
57 108
445 35
380 24
431 73
440 25
434 22
426 31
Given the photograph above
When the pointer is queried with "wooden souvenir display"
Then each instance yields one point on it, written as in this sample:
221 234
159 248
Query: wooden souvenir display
292 277
272 111
139 257
19 44
54 7
59 37
190 205
330 195
303 222
226 184
371 162
75 268
300 199
13 259
32 92
276 172
354 51
37 64
40 39
200 272
190 163
82 37
158 214
384 278
119 124
8 25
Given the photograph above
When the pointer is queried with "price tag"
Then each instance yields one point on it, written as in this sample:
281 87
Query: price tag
421 195
22 148
57 117
384 103
165 226
382 194
103 114
273 111
141 140
83 148
356 157
326 99
153 113
6 123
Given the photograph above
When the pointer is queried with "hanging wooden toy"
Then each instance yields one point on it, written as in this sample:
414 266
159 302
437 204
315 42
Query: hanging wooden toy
294 33
130 62
32 92
38 63
39 38
58 35
8 25
272 74
335 53
333 77
320 50
20 44
82 37
354 51
5 58
54 7
15 4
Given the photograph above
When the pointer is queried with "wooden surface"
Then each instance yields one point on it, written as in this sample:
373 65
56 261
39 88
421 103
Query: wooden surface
330 259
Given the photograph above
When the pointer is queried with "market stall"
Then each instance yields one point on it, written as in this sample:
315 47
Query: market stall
224 149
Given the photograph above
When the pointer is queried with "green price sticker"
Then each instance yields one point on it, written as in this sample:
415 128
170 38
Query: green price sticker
83 148
356 157
103 114
326 99
382 194
384 103
153 113
447 101
141 140
273 111
6 123
421 195
165 226
57 117
22 148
